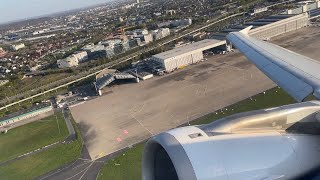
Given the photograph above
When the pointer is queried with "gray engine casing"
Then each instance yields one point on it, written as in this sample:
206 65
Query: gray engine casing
277 143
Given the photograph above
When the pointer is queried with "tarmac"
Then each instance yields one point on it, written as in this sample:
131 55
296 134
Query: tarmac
134 112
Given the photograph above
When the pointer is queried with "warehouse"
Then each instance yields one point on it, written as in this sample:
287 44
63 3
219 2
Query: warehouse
269 27
280 27
186 55
35 113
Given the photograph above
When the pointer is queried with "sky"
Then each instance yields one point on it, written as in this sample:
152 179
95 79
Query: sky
12 10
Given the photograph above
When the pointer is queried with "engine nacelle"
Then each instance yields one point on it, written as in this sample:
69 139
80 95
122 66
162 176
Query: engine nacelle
277 143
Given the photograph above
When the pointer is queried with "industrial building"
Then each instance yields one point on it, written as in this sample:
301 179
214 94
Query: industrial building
67 62
138 32
145 38
259 10
305 7
270 30
73 60
269 27
160 33
33 113
180 22
185 55
142 36
95 51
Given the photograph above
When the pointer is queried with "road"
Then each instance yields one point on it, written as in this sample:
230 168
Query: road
82 168
72 133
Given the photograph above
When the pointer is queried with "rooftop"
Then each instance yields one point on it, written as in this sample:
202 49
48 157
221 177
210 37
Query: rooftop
104 72
188 49
24 111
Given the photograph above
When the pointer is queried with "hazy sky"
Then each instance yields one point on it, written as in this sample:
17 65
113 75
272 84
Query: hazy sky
11 10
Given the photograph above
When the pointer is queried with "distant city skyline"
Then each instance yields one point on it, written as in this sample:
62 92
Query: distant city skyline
14 10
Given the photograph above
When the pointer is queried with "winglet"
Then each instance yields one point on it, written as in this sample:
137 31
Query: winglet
246 30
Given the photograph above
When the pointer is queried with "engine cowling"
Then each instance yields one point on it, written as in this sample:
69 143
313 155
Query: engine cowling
277 143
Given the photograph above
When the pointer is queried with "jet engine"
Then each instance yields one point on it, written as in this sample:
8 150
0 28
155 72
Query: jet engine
275 143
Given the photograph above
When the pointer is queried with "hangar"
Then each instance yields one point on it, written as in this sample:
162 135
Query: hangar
271 26
185 55
107 76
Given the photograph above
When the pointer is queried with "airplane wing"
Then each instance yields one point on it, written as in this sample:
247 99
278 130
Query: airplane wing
298 75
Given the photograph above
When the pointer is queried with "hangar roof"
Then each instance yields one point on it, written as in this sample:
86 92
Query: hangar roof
104 72
191 48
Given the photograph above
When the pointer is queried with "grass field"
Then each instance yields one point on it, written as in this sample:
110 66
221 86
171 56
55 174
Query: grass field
125 166
271 98
128 165
31 136
40 163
